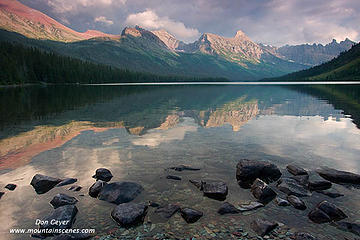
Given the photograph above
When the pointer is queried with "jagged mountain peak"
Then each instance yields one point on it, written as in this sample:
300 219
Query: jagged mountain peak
240 34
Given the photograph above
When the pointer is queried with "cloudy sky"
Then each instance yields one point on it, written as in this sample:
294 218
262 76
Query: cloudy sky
275 22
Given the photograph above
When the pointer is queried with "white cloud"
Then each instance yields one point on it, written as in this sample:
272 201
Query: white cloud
103 20
73 6
150 20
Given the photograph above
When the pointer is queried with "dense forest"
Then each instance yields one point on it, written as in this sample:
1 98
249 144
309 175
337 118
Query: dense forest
20 65
344 67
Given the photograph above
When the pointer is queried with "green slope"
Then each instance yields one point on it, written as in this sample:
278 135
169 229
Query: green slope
345 67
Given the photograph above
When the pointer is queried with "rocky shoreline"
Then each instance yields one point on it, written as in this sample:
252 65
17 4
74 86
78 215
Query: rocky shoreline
265 181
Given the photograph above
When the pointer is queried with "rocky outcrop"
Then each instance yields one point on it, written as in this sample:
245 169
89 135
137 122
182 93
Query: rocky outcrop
43 184
129 214
249 170
120 192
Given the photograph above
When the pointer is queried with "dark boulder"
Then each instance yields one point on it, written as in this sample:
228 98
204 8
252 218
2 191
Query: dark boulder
295 170
331 194
262 227
262 192
120 192
11 186
62 200
43 184
250 206
215 190
296 202
190 215
181 168
61 218
95 189
326 212
290 186
304 236
227 208
73 236
337 176
66 181
103 174
129 214
281 202
76 188
249 170
348 226
319 185
173 177
167 211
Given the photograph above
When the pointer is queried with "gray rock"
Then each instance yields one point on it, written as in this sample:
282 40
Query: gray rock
103 174
326 212
262 192
129 214
43 184
173 177
348 226
263 227
281 202
319 185
296 202
190 215
304 236
215 190
227 208
168 211
120 192
62 200
66 181
250 206
295 170
291 187
64 215
11 186
181 168
337 176
95 189
249 170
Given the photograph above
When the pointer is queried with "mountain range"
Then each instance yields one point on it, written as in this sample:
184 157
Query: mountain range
159 52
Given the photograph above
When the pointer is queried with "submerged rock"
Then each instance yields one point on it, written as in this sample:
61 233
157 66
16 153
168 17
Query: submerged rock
291 187
303 180
167 211
319 185
76 188
11 186
337 176
331 194
66 181
95 189
247 171
190 215
120 192
295 170
129 214
184 168
304 236
173 177
227 208
326 212
62 200
262 191
263 227
296 202
250 206
348 226
43 184
197 183
215 190
61 218
281 202
103 174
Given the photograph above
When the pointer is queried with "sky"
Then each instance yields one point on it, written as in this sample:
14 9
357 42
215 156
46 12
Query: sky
273 22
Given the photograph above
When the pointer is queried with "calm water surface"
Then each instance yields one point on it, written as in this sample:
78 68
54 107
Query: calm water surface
139 131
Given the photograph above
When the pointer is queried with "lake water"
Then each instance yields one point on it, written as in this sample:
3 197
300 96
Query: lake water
139 131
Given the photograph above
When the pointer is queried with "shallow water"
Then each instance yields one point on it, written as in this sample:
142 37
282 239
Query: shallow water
139 131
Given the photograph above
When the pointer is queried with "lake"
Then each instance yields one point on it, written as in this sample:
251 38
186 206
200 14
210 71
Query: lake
139 132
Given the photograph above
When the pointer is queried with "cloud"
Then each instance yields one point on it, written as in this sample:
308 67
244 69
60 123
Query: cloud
150 20
103 20
73 6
